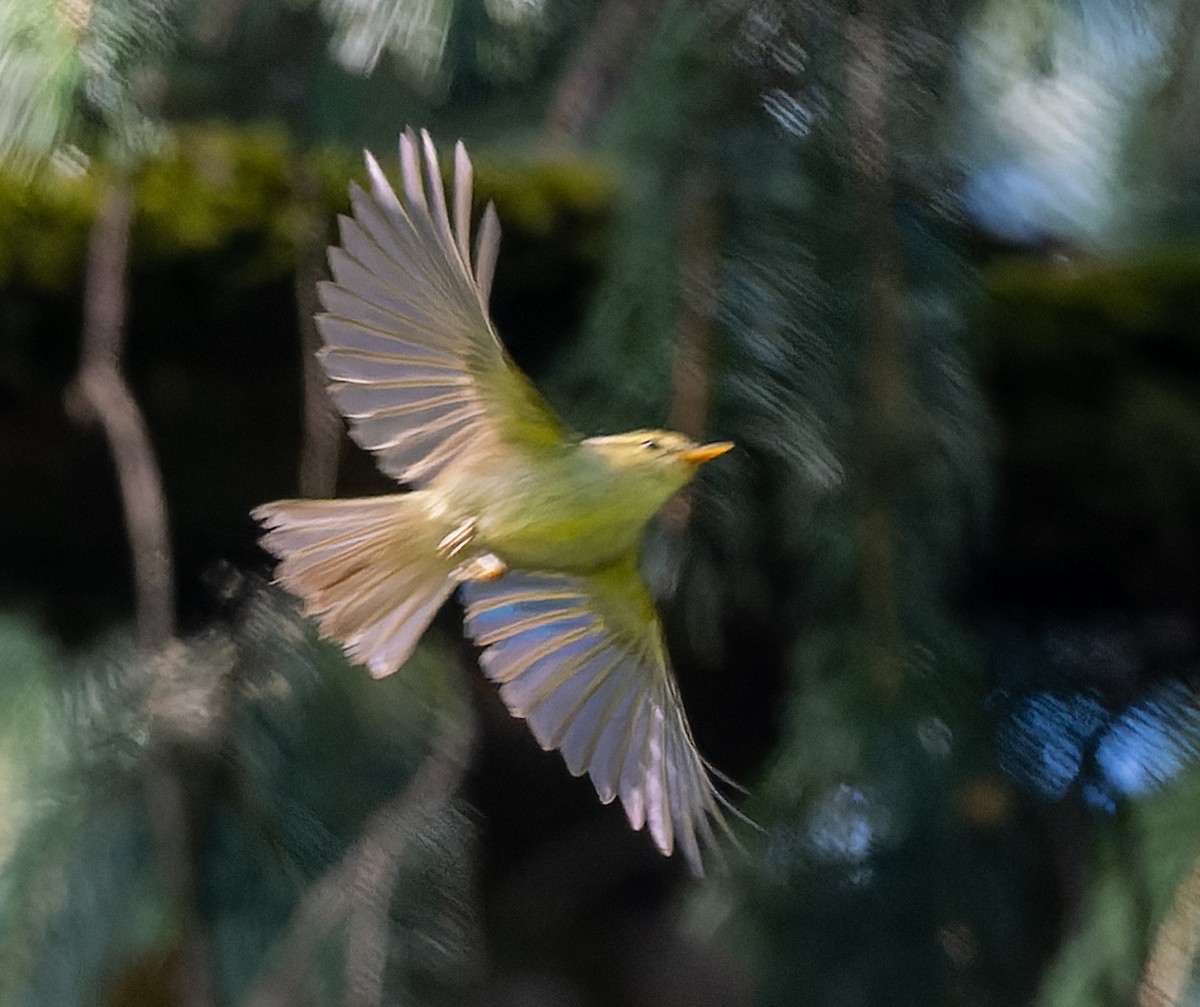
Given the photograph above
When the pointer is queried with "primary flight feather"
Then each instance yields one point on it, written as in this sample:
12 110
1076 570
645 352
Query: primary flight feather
538 528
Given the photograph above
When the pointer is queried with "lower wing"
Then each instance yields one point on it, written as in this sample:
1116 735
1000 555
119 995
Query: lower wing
582 659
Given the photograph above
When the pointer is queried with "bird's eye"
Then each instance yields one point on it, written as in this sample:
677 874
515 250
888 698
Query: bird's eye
651 444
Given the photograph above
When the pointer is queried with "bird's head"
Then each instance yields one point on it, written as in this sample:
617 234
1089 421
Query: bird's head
655 463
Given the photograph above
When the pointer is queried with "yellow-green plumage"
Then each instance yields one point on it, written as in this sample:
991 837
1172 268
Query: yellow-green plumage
541 529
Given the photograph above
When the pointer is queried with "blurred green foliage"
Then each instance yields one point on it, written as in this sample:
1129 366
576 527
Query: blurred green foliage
47 222
250 195
942 510
287 725
81 72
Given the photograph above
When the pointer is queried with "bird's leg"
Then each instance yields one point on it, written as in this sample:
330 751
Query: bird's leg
489 566
458 539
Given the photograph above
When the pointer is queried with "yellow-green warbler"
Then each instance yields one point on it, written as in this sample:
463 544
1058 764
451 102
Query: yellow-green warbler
540 528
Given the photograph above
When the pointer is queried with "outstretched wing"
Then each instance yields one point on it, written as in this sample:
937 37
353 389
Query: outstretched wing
582 659
414 362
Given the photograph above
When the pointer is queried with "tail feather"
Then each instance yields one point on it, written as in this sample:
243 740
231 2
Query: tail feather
368 570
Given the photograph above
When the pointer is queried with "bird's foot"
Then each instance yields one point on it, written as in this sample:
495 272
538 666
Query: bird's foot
489 566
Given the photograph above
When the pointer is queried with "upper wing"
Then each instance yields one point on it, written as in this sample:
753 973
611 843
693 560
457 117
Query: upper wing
582 659
414 362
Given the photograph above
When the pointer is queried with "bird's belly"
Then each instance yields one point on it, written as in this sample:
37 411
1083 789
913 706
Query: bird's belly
560 511
550 534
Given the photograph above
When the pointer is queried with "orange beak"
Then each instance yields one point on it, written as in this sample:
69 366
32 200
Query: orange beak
705 452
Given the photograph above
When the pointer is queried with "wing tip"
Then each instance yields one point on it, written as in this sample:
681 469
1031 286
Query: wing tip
380 669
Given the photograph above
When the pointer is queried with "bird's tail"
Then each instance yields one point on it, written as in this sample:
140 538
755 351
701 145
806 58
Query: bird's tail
369 570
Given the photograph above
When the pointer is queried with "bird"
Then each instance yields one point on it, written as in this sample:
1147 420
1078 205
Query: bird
536 527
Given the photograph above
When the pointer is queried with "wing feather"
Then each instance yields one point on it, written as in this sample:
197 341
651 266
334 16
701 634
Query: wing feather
587 719
413 360
436 196
487 250
531 685
371 368
420 326
356 324
440 448
611 747
398 397
581 658
463 181
658 810
410 176
397 250
631 783
422 433
371 237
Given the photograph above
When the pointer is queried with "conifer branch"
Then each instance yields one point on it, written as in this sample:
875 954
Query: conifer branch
359 887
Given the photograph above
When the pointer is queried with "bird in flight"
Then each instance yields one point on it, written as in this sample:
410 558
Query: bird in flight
538 529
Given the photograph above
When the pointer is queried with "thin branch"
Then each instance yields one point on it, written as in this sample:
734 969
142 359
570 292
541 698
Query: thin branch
598 66
691 363
869 77
321 428
1169 967
99 394
699 269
